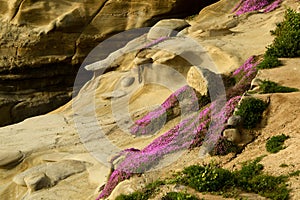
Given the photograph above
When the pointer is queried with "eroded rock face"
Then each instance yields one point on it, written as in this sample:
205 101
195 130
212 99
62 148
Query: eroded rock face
48 174
43 43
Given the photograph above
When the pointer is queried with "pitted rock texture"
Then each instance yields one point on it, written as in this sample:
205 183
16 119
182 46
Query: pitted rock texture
43 43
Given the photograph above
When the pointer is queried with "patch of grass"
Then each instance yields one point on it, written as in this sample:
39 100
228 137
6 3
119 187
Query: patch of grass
283 165
179 196
275 143
144 194
269 62
295 173
287 40
251 110
272 87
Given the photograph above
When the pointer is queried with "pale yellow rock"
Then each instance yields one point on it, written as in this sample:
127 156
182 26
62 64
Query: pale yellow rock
10 158
196 80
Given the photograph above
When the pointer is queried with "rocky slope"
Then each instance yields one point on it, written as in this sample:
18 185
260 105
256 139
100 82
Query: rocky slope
43 44
48 157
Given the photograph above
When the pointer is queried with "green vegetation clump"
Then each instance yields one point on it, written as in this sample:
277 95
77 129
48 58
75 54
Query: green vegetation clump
179 196
295 173
269 62
251 110
283 165
287 40
272 87
212 178
207 178
250 179
275 143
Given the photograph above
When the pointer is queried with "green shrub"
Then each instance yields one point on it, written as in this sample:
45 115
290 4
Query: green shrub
251 110
251 179
269 186
208 178
248 171
269 62
178 196
275 143
287 40
272 87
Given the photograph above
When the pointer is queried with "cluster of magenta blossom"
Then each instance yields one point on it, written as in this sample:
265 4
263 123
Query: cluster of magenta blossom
190 132
272 6
243 77
204 126
245 6
155 119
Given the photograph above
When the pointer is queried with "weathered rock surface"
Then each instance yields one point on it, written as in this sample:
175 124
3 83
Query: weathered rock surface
48 174
43 43
9 159
232 134
37 181
165 27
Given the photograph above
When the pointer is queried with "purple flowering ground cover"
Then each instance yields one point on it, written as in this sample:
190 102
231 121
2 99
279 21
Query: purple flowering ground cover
204 125
245 6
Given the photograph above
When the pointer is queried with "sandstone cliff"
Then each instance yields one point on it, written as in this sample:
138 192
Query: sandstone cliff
43 44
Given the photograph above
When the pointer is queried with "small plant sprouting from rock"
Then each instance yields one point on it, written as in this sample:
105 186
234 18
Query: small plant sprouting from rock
251 111
275 143
272 87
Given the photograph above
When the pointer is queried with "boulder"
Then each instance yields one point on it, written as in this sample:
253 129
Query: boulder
232 135
234 120
37 181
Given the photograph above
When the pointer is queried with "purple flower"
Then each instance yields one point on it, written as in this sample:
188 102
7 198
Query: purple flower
245 6
206 125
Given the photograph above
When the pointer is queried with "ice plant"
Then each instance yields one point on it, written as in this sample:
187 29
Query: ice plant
154 120
245 6
196 128
273 6
243 77
188 133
